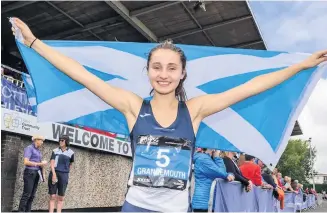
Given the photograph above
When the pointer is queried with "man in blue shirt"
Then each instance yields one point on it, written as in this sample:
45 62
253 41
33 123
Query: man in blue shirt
32 173
61 161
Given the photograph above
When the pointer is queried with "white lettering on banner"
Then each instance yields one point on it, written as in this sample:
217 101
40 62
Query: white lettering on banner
161 172
6 92
25 124
9 105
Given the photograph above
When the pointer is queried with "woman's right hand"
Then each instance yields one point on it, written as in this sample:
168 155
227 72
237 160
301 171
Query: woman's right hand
26 32
54 178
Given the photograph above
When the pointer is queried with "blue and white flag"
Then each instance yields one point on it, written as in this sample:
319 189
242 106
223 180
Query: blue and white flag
30 90
260 125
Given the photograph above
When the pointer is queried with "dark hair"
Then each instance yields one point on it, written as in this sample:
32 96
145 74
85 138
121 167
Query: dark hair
249 157
168 44
65 138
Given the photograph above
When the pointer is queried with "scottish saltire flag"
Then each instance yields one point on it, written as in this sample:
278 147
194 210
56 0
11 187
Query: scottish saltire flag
260 125
30 90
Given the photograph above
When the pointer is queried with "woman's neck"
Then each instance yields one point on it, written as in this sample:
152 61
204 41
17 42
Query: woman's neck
164 101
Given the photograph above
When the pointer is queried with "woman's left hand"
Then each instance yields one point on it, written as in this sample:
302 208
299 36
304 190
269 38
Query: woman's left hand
315 59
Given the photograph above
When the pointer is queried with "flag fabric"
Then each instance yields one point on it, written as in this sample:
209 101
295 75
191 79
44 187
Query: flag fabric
260 125
30 90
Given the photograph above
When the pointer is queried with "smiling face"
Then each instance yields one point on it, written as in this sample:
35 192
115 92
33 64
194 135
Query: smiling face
165 71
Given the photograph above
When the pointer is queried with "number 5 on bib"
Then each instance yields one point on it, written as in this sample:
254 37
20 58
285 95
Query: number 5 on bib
162 162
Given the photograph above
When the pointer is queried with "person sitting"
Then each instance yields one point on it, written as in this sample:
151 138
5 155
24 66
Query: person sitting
207 167
251 171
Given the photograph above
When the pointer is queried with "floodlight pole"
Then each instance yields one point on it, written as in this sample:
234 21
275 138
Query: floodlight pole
311 159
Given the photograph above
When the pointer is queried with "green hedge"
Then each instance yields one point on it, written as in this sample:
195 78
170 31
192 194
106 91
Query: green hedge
319 187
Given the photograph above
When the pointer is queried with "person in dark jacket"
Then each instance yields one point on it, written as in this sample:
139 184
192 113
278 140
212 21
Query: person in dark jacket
206 170
231 167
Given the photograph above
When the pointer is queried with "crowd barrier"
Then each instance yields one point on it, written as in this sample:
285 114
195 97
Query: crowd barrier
231 197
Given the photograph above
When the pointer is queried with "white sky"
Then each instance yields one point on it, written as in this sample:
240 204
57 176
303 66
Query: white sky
300 26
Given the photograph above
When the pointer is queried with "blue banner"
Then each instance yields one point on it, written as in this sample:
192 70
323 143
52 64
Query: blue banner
29 86
14 98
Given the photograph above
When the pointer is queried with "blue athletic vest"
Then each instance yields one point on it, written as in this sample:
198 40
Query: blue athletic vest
162 159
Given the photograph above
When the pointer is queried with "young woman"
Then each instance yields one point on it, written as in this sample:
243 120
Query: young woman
162 130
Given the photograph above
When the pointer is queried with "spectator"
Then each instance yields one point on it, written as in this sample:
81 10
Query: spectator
275 178
206 170
287 185
271 178
324 197
294 185
32 173
280 179
231 167
251 171
241 160
266 175
264 183
61 162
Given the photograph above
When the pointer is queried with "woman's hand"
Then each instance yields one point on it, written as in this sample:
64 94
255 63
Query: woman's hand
314 60
26 32
54 178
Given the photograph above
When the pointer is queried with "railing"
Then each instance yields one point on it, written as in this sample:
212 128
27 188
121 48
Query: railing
231 197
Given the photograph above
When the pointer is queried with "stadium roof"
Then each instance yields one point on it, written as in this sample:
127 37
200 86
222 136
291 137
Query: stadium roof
222 23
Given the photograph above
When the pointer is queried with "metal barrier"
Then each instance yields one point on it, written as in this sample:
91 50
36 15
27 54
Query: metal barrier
10 78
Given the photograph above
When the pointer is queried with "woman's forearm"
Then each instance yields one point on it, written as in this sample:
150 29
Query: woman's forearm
267 81
31 163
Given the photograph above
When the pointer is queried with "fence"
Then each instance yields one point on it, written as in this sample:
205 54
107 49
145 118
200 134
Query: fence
231 197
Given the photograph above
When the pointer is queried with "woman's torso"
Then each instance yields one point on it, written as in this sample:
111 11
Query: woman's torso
159 179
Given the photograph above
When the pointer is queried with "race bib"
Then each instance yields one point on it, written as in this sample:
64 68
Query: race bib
162 162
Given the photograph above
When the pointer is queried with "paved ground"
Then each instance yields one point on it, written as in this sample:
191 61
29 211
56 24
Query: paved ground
321 208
